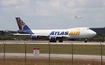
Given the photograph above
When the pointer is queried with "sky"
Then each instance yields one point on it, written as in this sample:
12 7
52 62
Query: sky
52 14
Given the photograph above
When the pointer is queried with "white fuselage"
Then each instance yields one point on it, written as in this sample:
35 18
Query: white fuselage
82 32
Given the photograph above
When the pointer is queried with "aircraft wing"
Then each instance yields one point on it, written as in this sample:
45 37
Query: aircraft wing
11 32
19 34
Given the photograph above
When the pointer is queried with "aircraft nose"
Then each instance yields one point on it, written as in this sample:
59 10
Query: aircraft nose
93 33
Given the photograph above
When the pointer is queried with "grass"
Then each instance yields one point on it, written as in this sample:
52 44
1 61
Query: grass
21 61
54 49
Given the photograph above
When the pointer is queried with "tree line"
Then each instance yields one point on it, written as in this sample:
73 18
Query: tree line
28 37
14 37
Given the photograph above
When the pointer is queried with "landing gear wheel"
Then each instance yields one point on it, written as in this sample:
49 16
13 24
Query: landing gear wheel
85 41
60 40
52 41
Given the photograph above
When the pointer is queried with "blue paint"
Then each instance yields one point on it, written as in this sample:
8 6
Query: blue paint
59 33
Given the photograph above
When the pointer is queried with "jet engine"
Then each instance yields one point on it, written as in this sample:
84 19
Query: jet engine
34 37
53 38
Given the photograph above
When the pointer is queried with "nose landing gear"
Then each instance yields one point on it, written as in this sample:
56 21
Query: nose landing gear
85 41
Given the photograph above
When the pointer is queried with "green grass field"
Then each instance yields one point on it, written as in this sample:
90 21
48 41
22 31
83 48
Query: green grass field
54 49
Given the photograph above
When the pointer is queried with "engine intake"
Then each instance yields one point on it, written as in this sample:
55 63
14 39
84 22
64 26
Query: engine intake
34 37
52 38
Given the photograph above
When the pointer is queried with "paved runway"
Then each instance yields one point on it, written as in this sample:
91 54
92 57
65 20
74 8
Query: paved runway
56 56
46 42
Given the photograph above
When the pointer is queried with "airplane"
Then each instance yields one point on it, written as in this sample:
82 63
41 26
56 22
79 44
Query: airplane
54 35
78 17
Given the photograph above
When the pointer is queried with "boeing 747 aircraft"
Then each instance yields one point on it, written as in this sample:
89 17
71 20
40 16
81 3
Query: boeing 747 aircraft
54 34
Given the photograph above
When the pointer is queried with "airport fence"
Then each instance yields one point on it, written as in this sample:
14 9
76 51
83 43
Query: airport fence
46 53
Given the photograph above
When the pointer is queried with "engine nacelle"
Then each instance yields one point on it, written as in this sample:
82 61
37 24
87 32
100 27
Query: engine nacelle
52 38
34 37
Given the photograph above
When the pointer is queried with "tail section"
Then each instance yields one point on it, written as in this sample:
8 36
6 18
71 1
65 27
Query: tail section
22 26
